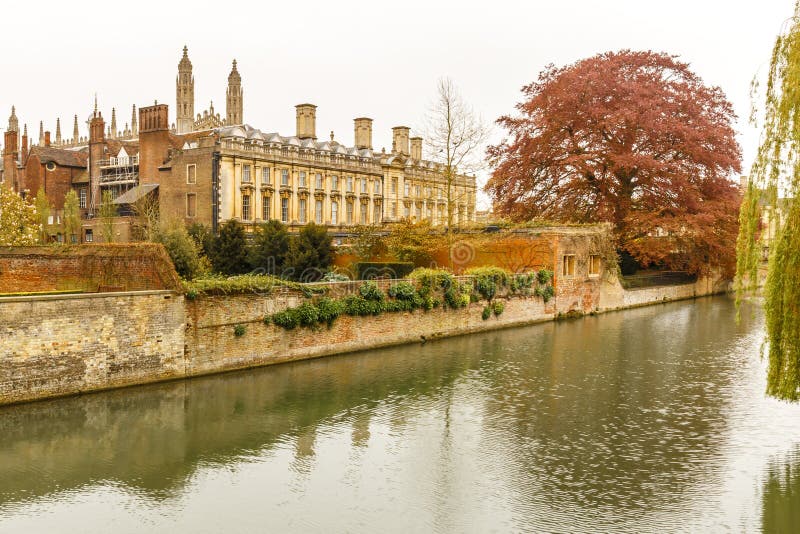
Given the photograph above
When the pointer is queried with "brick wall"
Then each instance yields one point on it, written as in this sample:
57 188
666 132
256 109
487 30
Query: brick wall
56 345
131 267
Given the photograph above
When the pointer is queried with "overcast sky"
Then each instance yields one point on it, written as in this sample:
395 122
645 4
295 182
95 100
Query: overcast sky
355 58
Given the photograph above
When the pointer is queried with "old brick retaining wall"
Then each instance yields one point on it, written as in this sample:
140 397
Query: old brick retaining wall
66 344
61 345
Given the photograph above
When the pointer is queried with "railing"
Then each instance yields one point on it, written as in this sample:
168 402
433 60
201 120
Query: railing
660 278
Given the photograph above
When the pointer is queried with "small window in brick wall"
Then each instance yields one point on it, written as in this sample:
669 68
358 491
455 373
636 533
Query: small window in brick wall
191 174
594 265
568 265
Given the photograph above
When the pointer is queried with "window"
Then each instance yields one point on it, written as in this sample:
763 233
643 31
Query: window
265 207
284 177
89 237
246 173
377 187
394 209
407 212
363 185
334 183
594 265
405 189
265 177
334 212
319 212
568 265
191 204
83 198
430 212
394 185
285 210
364 210
349 184
318 179
418 191
439 193
419 212
428 192
377 213
302 178
191 174
246 207
349 208
303 211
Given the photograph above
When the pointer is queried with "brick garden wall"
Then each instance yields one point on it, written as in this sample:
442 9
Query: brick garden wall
129 267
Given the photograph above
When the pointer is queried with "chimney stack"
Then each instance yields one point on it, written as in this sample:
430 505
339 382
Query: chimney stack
416 148
306 121
400 140
363 132
47 138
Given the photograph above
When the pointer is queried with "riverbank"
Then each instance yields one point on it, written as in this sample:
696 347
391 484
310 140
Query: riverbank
63 344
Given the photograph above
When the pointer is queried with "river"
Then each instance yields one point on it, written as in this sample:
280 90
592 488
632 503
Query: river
646 420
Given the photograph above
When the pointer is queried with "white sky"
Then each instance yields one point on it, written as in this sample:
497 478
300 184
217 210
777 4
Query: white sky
355 58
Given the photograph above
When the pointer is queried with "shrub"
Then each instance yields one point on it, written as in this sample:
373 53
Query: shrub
270 246
182 250
371 291
310 253
267 319
487 312
286 319
498 308
239 330
367 270
328 310
544 276
489 279
307 314
203 237
547 293
402 291
229 251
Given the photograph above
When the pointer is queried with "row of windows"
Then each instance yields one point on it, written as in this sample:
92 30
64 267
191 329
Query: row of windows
302 215
319 180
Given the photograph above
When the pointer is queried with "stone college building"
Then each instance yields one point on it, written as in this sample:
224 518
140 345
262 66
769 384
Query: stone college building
205 168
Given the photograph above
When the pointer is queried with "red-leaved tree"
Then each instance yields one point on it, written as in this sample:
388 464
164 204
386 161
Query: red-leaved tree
631 138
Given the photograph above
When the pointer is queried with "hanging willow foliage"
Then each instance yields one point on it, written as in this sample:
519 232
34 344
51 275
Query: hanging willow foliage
769 212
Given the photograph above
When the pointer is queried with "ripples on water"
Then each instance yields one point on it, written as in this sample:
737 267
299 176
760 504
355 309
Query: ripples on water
639 421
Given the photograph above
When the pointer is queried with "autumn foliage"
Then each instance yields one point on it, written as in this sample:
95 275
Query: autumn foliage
631 138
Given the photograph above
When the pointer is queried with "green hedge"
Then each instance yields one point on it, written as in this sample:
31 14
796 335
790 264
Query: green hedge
378 269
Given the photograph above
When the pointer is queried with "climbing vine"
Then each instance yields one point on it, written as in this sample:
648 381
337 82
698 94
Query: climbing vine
773 183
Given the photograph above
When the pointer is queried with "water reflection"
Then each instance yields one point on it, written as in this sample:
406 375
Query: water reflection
781 494
642 420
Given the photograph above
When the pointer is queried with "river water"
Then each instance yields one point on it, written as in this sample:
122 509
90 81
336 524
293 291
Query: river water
646 420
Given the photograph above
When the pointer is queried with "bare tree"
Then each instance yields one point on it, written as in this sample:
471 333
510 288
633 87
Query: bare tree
456 138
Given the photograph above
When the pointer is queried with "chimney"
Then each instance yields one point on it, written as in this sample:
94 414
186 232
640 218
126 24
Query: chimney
400 140
363 132
47 138
306 121
154 142
416 148
97 128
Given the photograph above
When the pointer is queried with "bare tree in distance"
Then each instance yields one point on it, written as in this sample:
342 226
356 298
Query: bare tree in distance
456 138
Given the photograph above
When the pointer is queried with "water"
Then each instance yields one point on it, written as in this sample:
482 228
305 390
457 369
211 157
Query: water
648 420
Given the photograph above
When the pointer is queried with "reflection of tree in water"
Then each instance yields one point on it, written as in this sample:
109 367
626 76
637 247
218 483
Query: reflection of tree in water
153 438
780 508
624 411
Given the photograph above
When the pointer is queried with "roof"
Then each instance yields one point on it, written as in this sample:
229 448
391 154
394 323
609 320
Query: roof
61 156
81 178
135 193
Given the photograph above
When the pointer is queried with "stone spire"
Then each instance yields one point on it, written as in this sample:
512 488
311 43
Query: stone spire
75 132
234 105
25 130
13 122
134 123
113 123
58 131
184 95
41 133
